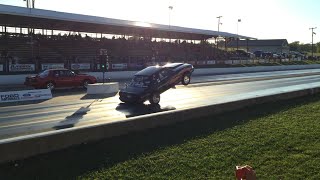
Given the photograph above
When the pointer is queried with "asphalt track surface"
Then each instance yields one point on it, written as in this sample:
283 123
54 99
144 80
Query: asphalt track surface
73 108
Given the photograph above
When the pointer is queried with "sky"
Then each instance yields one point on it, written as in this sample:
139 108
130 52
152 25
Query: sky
262 19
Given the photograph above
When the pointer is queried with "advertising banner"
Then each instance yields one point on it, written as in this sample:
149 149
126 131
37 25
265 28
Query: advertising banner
52 66
243 61
228 62
163 63
192 62
120 66
132 65
210 62
220 62
1 67
152 63
201 62
81 66
21 67
26 95
136 65
236 62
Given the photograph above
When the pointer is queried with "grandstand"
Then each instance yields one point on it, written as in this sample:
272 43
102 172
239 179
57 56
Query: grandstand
34 39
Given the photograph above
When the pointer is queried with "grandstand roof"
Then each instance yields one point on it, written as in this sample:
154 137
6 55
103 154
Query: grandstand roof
45 19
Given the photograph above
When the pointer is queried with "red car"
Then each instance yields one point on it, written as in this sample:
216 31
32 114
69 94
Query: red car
58 78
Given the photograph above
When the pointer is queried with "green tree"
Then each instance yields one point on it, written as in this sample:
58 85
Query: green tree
294 46
297 46
305 48
317 47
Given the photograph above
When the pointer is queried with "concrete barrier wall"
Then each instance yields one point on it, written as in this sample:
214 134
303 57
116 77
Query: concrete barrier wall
31 145
118 75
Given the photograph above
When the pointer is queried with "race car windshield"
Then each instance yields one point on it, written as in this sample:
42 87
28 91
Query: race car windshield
44 74
140 81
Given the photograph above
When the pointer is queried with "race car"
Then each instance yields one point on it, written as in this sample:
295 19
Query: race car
59 78
150 82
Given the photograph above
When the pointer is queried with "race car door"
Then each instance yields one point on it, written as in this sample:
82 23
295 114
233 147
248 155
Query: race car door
61 78
164 79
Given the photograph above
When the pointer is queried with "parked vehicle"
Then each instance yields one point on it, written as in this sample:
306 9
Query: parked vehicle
258 54
242 53
59 78
150 82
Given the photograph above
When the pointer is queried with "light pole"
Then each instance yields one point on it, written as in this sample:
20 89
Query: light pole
27 1
170 9
239 20
313 33
30 4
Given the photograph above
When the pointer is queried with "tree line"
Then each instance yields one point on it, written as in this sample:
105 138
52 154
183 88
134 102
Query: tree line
304 48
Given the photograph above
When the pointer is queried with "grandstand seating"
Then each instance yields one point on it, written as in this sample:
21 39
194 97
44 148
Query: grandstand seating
76 49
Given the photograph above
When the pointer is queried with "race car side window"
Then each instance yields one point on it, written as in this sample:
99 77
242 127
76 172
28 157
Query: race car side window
155 78
63 73
56 73
68 73
164 74
44 74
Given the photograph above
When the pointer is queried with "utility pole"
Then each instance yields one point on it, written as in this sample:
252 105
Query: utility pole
219 23
313 33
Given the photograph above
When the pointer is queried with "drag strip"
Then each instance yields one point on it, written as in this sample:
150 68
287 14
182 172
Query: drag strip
74 111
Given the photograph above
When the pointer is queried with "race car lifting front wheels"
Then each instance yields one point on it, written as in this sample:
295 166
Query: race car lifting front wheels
150 82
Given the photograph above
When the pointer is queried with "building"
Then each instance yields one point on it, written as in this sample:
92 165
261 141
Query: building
265 45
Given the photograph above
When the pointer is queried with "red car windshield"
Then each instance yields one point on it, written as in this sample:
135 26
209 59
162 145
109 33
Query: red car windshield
44 74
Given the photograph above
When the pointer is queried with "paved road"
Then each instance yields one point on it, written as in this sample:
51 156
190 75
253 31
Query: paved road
79 110
200 78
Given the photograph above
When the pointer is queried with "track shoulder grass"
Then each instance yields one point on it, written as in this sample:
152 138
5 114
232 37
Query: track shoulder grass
280 143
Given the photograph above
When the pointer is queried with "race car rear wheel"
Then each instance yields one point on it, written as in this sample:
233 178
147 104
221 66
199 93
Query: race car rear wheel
186 79
155 98
50 85
85 83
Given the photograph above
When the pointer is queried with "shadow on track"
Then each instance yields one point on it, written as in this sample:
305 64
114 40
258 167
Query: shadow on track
132 110
98 96
73 119
65 92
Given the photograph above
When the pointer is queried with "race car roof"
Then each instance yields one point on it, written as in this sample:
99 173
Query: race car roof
45 19
173 65
148 71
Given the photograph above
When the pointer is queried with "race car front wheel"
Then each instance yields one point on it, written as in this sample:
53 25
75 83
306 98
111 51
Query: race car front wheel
155 98
186 79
